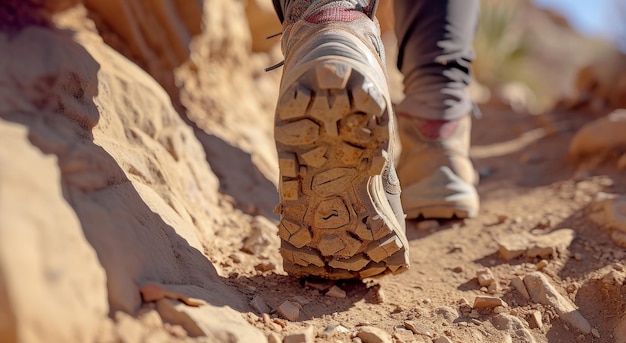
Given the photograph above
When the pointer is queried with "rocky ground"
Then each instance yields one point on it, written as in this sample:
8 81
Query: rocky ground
137 186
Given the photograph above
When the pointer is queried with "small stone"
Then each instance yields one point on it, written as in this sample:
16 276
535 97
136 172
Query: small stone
542 291
518 284
493 288
289 311
483 301
543 252
443 339
332 329
541 264
512 246
403 335
485 277
464 307
259 305
514 327
265 266
417 328
273 337
280 322
427 301
502 218
303 336
578 256
457 269
499 309
336 292
595 333
557 239
536 320
428 225
377 295
370 334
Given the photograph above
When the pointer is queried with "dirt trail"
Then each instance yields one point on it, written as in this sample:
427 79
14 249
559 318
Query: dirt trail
528 185
137 188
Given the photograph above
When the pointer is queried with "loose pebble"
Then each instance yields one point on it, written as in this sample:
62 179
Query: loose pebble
542 291
541 264
483 301
280 322
273 337
417 328
370 334
595 333
403 336
512 246
536 319
259 305
443 339
485 277
303 336
336 292
289 311
518 284
265 266
513 326
332 329
377 294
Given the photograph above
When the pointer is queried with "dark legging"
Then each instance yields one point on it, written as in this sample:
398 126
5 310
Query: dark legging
435 51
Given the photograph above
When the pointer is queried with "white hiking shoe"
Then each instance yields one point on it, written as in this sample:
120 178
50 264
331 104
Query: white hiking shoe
340 212
437 175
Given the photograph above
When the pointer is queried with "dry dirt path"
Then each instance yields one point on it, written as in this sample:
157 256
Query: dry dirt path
529 187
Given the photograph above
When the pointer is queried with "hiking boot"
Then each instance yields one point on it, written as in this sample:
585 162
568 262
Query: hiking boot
435 170
340 211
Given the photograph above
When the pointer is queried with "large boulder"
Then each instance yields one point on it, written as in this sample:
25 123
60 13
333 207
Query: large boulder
104 189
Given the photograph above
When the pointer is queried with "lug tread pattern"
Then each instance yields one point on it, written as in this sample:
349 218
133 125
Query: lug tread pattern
331 132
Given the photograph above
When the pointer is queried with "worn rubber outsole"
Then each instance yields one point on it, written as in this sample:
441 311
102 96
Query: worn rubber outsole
332 135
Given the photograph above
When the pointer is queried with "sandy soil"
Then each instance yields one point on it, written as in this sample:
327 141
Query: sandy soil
528 186
142 184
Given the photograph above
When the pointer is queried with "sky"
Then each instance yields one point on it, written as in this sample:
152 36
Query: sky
595 18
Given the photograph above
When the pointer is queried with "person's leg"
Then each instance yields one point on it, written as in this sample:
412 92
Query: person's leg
435 54
340 213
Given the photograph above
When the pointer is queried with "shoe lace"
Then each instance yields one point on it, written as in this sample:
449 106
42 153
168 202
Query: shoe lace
279 64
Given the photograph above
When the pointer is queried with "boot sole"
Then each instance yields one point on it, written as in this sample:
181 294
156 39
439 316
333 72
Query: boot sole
332 134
